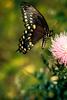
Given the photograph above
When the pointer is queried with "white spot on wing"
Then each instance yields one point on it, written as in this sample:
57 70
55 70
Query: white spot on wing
24 13
21 47
26 31
34 26
23 37
29 38
26 20
31 21
24 49
28 27
25 16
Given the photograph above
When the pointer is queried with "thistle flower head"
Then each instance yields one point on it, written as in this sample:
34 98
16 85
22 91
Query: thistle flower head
59 48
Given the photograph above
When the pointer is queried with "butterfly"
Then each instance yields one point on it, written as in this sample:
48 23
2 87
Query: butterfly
36 28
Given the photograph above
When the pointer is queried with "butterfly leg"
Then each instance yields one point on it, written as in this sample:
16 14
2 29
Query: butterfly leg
43 41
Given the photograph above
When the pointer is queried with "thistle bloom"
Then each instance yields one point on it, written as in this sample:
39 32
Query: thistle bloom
59 48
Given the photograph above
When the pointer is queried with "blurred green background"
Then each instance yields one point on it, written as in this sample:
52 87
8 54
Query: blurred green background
16 69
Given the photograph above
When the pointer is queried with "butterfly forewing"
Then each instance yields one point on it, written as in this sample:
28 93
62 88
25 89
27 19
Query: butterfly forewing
35 27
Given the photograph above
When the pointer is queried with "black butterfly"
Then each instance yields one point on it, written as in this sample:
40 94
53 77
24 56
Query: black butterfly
35 28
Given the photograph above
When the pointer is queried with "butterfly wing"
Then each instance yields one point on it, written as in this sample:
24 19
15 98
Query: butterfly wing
35 27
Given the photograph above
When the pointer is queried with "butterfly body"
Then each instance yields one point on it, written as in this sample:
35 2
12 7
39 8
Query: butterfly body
35 28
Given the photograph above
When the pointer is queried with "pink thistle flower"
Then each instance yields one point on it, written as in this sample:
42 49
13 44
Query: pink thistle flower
59 48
